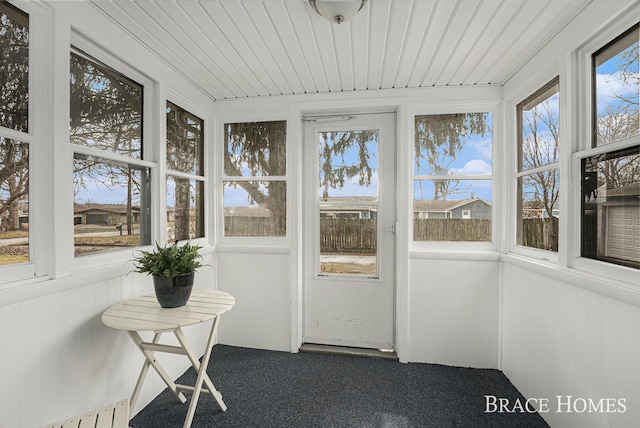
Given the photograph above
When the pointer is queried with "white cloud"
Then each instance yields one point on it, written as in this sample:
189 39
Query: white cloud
482 147
611 87
475 166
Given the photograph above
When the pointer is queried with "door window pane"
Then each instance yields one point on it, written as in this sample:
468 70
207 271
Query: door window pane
106 108
14 72
348 164
348 202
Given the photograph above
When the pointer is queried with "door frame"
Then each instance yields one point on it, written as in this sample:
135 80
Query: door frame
344 295
295 132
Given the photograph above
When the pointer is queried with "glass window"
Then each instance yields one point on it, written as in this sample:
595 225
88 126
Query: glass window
255 187
610 178
14 154
106 108
14 72
185 174
452 177
611 207
111 191
616 82
538 177
14 201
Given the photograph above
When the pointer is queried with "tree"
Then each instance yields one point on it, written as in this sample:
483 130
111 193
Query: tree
438 141
258 149
539 148
14 112
334 146
184 153
106 114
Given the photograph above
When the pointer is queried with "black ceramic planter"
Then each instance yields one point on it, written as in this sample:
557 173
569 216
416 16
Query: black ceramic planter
175 291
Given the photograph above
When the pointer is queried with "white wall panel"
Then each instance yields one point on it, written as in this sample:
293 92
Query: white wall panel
260 283
59 360
561 340
453 314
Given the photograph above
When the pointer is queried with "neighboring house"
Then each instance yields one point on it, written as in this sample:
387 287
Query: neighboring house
363 208
249 211
472 208
104 214
620 221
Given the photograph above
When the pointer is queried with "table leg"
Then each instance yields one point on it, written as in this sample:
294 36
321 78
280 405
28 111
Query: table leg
195 362
150 360
202 373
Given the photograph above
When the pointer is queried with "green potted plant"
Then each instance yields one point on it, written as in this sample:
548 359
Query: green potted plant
173 269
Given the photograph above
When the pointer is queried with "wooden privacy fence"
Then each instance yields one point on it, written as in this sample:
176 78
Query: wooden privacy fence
359 235
540 233
247 226
348 236
436 229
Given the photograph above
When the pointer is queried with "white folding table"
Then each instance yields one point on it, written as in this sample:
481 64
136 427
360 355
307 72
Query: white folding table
145 314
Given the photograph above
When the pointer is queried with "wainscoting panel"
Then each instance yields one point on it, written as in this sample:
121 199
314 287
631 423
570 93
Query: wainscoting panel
454 312
563 341
58 360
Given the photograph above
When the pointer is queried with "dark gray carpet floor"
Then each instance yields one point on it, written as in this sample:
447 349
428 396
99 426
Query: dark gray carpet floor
278 389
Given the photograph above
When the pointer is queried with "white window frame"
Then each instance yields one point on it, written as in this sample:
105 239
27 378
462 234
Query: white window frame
536 253
38 137
179 100
271 243
581 63
149 156
461 246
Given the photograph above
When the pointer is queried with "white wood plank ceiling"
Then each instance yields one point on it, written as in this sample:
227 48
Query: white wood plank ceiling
254 48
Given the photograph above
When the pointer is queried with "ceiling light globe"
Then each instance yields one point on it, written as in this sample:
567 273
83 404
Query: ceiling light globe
337 11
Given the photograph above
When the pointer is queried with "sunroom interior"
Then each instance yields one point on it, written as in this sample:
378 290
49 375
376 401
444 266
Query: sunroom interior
486 150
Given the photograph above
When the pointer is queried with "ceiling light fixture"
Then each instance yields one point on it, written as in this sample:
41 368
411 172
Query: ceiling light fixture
337 11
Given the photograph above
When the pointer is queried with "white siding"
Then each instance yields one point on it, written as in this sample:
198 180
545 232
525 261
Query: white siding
559 340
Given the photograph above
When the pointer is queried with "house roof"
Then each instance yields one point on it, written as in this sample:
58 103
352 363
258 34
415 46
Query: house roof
109 208
236 49
443 206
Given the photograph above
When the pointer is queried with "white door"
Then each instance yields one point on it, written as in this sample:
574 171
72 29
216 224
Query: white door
349 223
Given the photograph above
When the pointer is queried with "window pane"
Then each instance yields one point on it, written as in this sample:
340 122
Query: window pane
106 109
611 207
453 144
184 141
185 209
464 215
255 149
348 164
539 118
348 239
14 71
14 201
111 205
255 208
617 88
539 214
